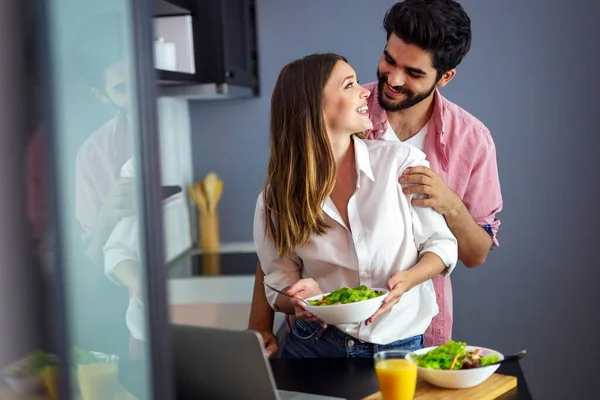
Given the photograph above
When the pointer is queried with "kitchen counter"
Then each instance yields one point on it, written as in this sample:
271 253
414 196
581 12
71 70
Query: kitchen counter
355 379
214 289
233 259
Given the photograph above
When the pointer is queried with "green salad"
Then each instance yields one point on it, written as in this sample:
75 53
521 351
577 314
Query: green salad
346 295
453 356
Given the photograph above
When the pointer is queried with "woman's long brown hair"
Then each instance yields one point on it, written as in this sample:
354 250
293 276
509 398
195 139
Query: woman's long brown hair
301 170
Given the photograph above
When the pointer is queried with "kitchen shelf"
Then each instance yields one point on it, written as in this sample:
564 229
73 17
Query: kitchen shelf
174 77
170 8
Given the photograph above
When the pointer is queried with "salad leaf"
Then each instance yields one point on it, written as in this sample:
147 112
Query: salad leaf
39 360
81 356
347 295
442 356
488 360
453 355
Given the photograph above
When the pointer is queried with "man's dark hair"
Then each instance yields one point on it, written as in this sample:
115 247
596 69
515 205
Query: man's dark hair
98 45
439 26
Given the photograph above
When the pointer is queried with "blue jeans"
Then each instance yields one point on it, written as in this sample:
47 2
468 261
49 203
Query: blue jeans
310 340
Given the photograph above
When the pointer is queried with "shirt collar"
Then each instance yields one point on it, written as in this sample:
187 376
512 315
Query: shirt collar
438 114
362 157
379 120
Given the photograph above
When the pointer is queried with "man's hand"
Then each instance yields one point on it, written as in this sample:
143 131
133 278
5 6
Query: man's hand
398 284
127 272
269 341
439 196
136 292
120 201
303 289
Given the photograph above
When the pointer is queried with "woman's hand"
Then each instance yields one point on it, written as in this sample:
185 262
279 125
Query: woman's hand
398 284
303 289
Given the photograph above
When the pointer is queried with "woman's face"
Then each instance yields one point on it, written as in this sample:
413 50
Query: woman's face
345 102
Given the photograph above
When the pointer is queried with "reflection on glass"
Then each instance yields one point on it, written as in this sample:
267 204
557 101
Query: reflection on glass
98 376
95 135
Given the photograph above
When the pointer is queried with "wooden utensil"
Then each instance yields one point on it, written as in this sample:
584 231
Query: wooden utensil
206 195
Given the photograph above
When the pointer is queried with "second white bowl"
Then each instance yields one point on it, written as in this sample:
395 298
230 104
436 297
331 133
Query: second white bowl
462 378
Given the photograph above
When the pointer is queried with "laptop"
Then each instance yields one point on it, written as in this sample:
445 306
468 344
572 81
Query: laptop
212 363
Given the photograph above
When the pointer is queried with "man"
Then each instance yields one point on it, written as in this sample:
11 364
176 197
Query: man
102 196
426 41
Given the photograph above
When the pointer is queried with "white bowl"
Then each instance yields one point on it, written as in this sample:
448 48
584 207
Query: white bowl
349 313
458 379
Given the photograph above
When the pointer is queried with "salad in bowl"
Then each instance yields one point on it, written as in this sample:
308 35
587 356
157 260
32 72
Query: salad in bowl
346 305
455 365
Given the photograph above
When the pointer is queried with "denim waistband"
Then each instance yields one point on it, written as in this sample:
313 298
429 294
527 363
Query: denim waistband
310 339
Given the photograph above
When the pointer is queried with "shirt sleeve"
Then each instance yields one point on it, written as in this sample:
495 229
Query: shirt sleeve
121 245
483 197
429 227
87 200
280 272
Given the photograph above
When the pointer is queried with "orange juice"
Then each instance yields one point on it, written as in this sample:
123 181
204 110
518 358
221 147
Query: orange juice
98 381
397 379
50 376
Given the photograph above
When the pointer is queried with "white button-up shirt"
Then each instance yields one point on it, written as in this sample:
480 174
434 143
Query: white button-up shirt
386 234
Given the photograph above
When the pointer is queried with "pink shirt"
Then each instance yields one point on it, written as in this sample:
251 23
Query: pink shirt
459 148
99 163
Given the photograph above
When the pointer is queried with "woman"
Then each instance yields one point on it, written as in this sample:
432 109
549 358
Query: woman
332 214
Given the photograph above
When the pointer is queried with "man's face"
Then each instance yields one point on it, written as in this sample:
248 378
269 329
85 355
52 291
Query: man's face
405 75
116 86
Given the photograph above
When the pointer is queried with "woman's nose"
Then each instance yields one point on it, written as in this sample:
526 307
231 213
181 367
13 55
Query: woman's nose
365 93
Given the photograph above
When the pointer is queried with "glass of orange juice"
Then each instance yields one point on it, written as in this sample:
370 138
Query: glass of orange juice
397 376
99 378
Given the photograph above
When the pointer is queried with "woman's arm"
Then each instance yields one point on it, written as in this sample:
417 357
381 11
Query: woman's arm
436 245
279 272
401 282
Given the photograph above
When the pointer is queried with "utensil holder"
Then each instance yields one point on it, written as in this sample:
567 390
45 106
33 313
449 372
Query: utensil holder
209 231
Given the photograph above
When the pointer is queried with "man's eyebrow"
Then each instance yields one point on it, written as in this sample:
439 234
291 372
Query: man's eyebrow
414 70
389 56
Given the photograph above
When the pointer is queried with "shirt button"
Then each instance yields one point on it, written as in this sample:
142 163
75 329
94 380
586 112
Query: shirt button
357 237
364 275
350 343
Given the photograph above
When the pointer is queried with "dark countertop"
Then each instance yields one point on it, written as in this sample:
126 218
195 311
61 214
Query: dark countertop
194 264
355 379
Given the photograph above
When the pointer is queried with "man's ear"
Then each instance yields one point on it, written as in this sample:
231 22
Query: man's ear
100 95
446 77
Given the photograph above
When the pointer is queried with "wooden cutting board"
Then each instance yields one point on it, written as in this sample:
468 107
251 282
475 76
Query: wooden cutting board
492 388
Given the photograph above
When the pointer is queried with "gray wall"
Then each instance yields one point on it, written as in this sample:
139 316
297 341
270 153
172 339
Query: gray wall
531 77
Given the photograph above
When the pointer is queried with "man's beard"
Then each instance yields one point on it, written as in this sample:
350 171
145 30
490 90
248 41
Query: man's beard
411 100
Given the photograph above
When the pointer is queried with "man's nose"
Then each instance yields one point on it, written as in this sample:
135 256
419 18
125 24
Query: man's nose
396 79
